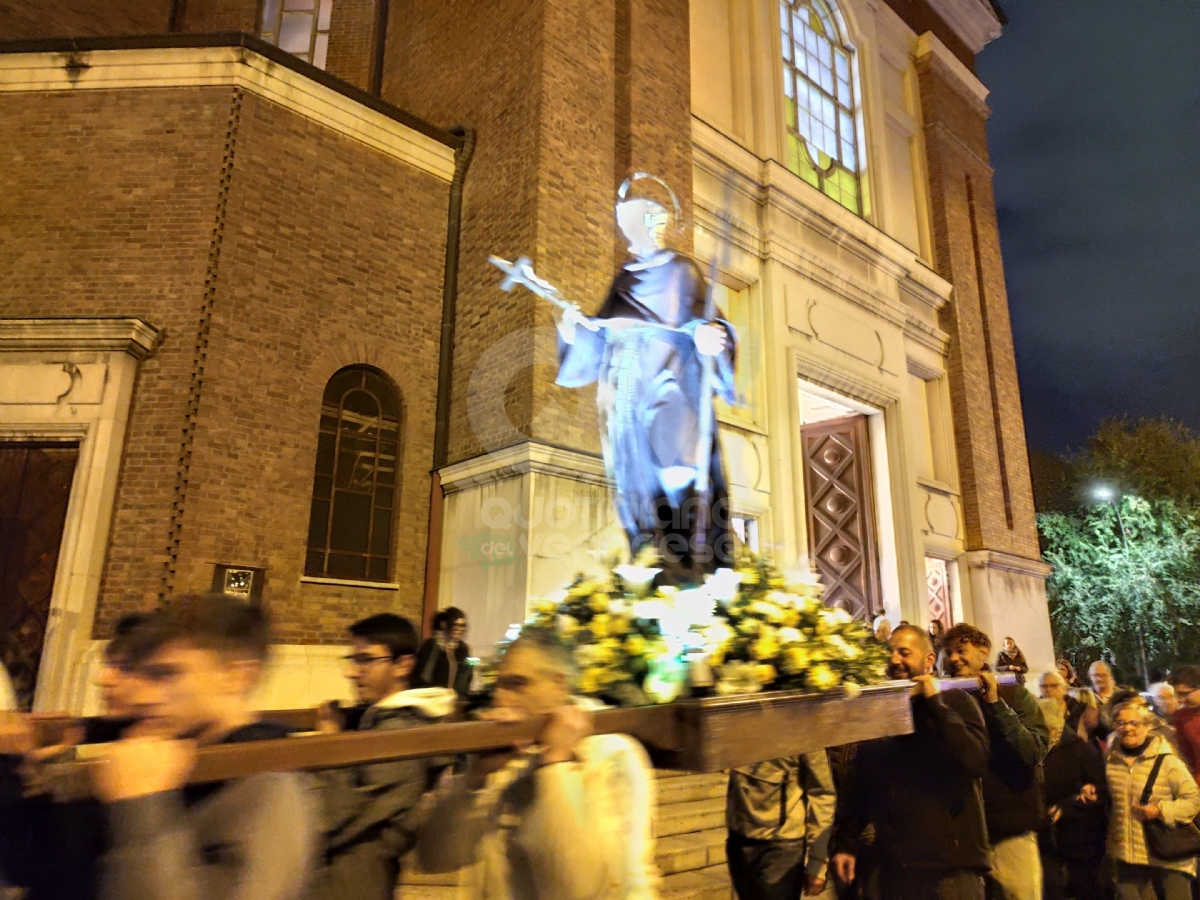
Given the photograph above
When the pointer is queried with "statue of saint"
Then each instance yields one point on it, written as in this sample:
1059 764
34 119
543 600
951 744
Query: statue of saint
658 352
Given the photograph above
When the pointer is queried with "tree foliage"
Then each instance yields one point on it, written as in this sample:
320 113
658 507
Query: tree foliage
1151 457
1126 583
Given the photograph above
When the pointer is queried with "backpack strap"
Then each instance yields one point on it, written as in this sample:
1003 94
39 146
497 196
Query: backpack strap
1149 789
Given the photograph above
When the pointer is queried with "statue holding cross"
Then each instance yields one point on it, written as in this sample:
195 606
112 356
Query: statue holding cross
659 352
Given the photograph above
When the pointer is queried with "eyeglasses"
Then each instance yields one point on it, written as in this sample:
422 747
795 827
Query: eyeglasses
1130 726
361 660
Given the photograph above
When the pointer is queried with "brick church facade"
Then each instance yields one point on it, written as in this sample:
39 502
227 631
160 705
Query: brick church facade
250 338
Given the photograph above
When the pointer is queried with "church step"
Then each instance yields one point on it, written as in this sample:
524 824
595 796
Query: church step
694 787
687 852
694 815
703 884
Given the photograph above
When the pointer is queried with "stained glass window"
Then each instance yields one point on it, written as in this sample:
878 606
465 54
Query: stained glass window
301 27
818 87
355 490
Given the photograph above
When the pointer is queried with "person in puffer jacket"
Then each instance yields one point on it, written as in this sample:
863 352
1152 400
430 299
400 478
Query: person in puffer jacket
1175 799
370 812
780 817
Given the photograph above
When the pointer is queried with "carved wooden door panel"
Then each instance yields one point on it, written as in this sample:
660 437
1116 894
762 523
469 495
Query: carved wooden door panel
841 514
35 487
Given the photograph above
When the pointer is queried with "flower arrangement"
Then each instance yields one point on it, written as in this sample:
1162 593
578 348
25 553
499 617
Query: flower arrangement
754 627
776 633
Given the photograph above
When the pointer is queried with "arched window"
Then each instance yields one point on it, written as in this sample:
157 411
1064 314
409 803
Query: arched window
354 491
818 86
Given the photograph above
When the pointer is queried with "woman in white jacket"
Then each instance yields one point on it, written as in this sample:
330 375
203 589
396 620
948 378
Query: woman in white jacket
1175 799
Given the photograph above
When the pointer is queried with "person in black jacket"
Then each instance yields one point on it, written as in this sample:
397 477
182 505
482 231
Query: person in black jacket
1073 832
920 791
442 659
1012 791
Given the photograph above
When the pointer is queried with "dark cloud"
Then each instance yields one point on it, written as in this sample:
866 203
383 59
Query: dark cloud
1095 138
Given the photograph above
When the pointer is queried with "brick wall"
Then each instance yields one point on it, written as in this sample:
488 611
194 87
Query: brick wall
26 19
206 16
271 252
558 130
989 428
352 41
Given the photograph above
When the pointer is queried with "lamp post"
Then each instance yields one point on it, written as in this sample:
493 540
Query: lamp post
1107 494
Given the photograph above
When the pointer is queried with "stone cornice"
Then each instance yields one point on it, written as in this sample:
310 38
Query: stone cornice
926 335
770 185
972 20
528 457
226 66
136 337
1008 562
932 52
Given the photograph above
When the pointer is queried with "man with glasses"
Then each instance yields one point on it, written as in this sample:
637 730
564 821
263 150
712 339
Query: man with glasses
570 816
1187 718
370 810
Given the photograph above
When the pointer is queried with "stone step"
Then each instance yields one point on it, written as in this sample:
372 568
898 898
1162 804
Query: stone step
694 787
693 815
406 891
687 852
711 883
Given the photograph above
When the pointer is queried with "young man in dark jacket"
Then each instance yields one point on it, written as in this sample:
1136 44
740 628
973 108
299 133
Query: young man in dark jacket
252 838
1012 788
370 811
921 791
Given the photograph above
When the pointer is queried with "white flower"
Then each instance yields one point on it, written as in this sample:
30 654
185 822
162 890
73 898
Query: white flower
791 636
639 577
723 584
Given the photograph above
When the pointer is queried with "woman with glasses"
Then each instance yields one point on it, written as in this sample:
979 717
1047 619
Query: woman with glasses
442 660
1174 799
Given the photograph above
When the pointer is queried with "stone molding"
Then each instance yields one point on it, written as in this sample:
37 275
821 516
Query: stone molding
766 183
972 20
187 67
134 336
528 457
932 52
1008 562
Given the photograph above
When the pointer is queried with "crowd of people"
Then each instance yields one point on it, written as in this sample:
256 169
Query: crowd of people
994 794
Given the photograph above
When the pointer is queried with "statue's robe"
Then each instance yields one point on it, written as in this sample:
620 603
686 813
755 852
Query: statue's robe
649 385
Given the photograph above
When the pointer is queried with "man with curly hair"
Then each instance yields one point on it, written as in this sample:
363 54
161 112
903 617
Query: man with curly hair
1012 786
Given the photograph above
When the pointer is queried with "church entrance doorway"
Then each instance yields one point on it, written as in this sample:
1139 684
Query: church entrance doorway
840 506
35 487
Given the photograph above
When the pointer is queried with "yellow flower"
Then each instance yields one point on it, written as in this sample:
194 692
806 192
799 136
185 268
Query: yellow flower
589 681
618 625
765 673
599 602
568 626
635 645
717 656
822 678
766 646
795 659
599 625
791 618
581 590
748 626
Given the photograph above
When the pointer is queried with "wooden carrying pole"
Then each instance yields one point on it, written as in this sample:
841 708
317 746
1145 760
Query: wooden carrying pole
705 735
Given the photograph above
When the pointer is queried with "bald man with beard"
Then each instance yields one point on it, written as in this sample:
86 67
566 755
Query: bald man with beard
921 791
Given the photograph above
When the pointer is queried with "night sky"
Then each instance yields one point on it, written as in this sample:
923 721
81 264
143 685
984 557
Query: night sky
1095 139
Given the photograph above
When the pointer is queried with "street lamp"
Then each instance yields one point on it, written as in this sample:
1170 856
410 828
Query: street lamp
1110 495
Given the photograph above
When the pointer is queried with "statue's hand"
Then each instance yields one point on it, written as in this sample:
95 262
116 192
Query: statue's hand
571 317
711 339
